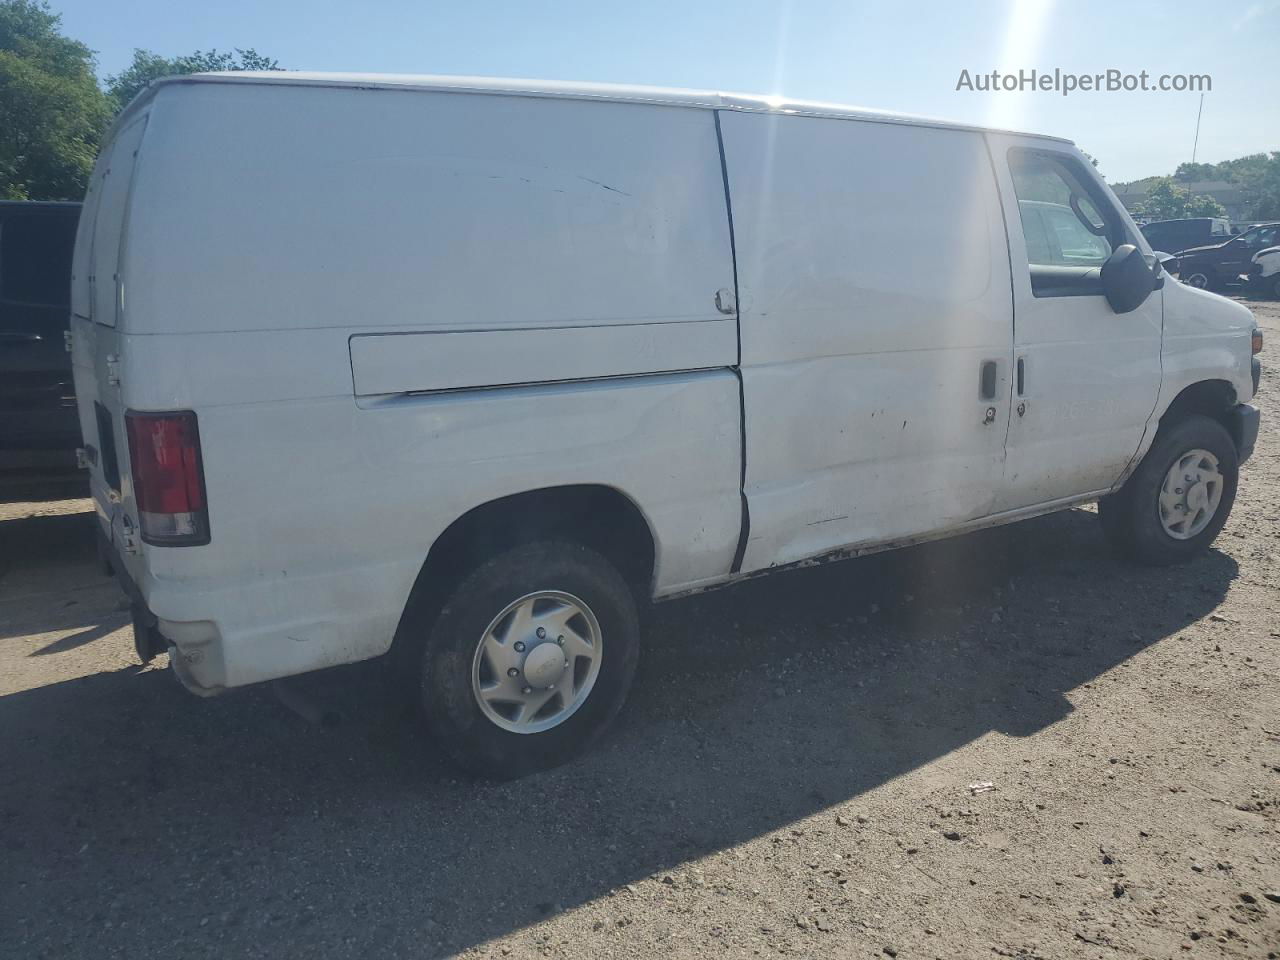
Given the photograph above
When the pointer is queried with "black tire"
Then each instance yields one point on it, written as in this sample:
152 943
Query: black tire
448 647
1131 517
1198 278
1274 286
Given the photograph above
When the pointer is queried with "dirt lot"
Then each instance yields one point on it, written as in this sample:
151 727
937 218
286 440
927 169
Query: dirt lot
790 776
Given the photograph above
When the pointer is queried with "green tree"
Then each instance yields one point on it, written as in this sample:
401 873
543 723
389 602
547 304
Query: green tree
1203 206
1191 172
1259 179
148 66
1256 175
52 111
1165 200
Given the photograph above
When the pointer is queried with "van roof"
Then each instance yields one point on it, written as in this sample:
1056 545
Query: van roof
621 93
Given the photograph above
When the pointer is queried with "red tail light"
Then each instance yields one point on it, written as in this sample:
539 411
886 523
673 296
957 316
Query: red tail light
168 478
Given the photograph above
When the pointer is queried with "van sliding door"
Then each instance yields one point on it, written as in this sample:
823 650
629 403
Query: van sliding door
877 329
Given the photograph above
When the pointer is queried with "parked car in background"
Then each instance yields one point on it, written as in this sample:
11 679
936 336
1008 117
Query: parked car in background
1171 236
39 425
1264 272
1212 267
466 371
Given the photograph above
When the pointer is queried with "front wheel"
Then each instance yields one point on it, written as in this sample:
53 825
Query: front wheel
1180 496
529 660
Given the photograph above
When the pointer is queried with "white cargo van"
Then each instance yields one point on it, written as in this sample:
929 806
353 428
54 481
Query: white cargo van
467 370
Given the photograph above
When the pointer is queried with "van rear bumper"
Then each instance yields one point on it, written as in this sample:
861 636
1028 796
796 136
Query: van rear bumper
251 632
1245 418
148 639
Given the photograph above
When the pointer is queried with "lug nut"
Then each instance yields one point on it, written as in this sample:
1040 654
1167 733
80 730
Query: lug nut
527 690
519 646
1177 490
560 640
542 634
513 672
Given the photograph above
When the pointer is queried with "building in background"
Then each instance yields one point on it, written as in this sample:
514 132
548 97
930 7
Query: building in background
1230 195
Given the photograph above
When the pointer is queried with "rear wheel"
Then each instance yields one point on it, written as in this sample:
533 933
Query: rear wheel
1180 496
529 660
1198 279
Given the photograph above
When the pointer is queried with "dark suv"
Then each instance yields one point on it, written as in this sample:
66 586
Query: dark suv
1172 236
1212 266
39 426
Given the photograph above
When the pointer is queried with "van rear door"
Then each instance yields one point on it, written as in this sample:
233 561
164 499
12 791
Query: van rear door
97 302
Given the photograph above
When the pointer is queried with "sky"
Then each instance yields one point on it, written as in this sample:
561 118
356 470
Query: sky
890 56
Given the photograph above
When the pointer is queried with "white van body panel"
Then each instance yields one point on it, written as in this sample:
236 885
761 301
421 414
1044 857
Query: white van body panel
457 359
868 308
391 301
310 296
476 201
318 540
1206 337
572 90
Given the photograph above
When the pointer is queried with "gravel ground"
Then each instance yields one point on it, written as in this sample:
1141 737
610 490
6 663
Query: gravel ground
792 774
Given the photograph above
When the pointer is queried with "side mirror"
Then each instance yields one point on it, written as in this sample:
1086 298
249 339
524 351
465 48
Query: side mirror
1127 281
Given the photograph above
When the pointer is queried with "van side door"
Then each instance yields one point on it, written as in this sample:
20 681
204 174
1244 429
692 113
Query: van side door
876 324
1085 378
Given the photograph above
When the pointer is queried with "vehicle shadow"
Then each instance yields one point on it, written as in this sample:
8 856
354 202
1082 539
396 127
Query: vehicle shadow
37 552
43 487
140 817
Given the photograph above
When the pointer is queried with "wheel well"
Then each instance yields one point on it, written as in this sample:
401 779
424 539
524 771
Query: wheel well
598 517
1210 398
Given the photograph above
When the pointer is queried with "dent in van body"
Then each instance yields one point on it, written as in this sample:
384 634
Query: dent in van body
1206 337
347 500
868 309
493 214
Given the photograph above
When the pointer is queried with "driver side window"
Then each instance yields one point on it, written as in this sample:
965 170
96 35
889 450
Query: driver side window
1061 223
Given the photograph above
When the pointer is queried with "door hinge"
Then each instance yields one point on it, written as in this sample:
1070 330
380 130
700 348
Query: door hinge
113 370
66 339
